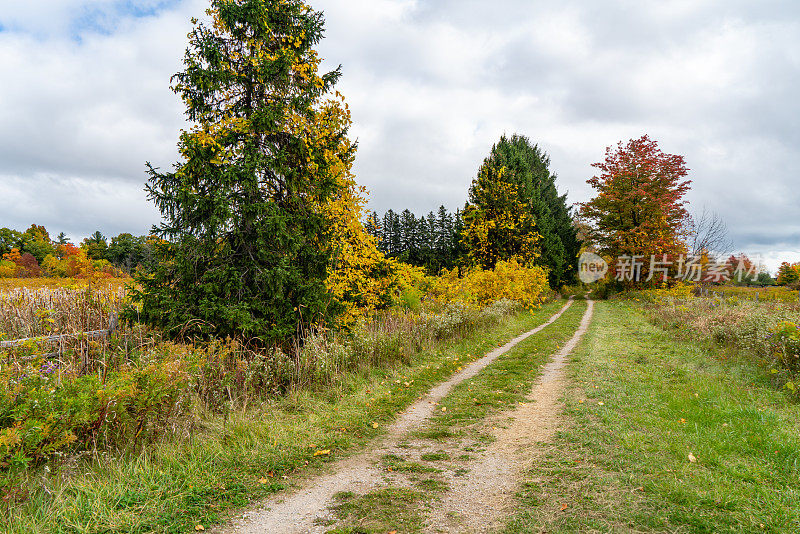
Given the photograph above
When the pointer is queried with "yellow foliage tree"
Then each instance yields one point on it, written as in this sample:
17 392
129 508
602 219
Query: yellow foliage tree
498 226
360 277
8 269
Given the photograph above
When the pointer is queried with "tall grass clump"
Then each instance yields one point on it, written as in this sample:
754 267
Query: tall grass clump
766 332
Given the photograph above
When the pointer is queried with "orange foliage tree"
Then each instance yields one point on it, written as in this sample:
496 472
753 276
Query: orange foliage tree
788 274
639 209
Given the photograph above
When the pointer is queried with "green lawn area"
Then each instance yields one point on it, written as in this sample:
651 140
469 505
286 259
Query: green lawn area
664 436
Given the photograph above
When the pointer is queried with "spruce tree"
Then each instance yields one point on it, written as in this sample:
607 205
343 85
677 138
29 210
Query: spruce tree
246 245
444 230
373 226
528 167
408 232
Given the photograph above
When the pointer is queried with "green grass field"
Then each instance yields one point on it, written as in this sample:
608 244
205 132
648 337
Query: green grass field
664 436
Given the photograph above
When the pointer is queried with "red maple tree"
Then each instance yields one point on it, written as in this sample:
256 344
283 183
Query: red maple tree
639 209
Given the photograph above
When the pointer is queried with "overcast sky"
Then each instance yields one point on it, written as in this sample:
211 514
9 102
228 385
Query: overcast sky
85 100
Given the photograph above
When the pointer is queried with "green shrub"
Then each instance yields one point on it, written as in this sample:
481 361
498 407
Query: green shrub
43 414
411 299
602 290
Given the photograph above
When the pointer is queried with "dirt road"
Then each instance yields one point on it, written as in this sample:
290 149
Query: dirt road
473 503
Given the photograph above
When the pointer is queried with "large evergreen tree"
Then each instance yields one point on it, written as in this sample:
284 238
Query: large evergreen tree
528 167
498 223
247 243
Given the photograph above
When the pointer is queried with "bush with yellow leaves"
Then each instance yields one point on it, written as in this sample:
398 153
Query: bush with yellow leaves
361 277
509 280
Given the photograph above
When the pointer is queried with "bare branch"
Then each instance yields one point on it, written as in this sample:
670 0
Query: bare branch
709 234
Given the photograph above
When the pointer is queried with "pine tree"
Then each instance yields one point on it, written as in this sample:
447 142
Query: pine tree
429 257
528 167
444 231
373 226
459 251
246 243
408 233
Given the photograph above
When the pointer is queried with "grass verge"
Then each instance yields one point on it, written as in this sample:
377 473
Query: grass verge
665 436
193 479
385 510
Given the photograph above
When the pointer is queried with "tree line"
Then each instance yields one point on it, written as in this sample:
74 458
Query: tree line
432 241
34 253
514 210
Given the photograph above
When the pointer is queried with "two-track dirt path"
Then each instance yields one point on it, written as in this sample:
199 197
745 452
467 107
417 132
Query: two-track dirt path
492 477
480 500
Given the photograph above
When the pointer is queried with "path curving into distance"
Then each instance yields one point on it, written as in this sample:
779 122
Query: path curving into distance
298 511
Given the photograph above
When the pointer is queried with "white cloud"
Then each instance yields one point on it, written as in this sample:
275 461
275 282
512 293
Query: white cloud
432 84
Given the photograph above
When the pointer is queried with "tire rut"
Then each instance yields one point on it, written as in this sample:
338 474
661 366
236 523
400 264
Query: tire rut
300 511
482 499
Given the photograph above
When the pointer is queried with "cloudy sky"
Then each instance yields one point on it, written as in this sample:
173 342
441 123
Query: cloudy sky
85 100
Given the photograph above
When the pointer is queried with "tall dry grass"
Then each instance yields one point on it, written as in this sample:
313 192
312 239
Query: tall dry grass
147 382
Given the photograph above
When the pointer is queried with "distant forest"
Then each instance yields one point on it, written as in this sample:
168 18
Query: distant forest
432 241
